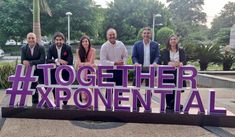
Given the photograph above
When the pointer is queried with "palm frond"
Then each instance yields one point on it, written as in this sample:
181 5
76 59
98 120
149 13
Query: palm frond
45 7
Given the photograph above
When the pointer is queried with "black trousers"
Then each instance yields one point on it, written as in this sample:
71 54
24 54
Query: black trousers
35 95
170 98
38 73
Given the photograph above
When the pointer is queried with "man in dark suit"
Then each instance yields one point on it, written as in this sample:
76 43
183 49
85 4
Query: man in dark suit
145 53
33 54
59 53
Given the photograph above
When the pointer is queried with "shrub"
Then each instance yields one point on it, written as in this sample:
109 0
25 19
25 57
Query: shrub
6 70
130 72
163 34
227 58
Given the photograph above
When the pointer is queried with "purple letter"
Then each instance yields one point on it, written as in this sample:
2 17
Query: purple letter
46 72
91 76
146 104
63 98
183 77
163 96
118 99
102 75
125 74
139 75
59 78
177 101
162 76
211 105
44 94
190 104
107 102
78 103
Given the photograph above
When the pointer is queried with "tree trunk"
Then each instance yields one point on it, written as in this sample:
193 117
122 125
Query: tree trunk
36 20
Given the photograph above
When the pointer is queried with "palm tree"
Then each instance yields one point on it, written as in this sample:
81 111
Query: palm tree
37 6
207 53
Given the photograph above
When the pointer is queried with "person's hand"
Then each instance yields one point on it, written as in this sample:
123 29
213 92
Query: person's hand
119 63
63 62
54 64
177 63
93 65
26 63
181 64
154 65
173 64
137 64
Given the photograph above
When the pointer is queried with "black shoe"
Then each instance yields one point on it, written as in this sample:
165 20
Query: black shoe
65 102
138 109
34 105
45 106
169 109
181 107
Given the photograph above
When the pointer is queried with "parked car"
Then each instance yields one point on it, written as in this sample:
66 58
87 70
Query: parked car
44 41
10 42
1 53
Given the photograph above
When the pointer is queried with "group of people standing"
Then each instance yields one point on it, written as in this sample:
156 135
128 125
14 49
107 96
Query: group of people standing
113 53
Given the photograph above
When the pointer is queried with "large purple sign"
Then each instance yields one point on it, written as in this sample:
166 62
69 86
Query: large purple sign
23 79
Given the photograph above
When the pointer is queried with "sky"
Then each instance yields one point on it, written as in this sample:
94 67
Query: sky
211 7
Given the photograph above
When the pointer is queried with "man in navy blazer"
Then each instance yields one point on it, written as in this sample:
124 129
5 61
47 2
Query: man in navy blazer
145 53
59 53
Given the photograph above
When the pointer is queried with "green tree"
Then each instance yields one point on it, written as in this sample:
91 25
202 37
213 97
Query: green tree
222 37
128 17
163 34
207 53
226 19
186 15
12 22
87 18
193 40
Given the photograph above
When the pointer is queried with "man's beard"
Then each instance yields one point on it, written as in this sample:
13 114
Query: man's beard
59 45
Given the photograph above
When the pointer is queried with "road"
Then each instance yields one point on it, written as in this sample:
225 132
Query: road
9 58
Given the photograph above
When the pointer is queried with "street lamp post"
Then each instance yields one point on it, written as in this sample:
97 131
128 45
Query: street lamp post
154 17
68 14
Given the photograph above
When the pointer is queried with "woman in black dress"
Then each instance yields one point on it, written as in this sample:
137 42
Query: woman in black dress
173 56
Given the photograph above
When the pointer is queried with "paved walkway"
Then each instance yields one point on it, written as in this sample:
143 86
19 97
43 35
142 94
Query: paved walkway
61 128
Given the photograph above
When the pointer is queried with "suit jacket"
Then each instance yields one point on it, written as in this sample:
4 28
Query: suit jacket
165 57
66 54
38 57
138 53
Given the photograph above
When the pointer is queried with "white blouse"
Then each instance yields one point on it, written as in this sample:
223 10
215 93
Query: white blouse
174 56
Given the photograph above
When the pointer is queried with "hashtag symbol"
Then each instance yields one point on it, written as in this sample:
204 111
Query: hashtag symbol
21 84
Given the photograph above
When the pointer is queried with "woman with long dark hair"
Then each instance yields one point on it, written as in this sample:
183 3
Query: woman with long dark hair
173 56
85 57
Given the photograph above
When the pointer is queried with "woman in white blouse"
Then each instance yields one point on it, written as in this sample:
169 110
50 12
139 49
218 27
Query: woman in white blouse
173 56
